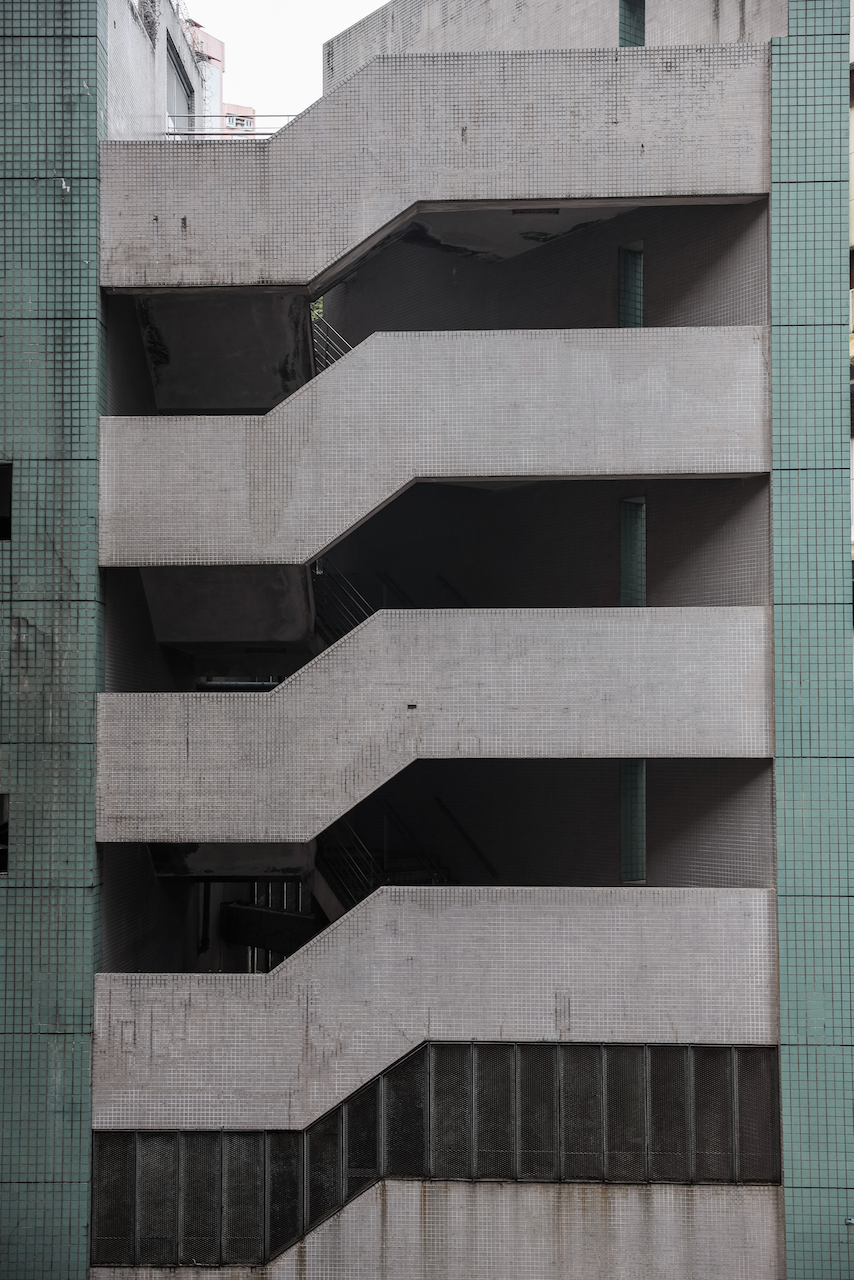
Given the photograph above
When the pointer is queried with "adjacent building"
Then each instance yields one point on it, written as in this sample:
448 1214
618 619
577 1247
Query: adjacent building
427 713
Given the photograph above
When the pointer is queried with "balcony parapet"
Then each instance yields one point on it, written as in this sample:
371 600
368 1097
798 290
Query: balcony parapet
650 123
440 684
284 487
278 1050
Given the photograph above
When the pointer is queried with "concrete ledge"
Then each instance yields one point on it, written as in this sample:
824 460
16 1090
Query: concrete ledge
441 684
679 122
539 403
277 1051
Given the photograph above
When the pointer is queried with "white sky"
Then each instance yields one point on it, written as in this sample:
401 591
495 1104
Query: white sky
274 48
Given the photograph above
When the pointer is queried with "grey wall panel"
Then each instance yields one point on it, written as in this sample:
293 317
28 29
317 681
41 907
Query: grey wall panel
278 1050
428 26
453 127
443 684
282 488
513 1231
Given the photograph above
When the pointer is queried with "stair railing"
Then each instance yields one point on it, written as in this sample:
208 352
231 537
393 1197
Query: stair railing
328 344
339 606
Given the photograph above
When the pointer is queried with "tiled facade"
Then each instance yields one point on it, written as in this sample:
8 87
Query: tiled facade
710 688
450 685
402 406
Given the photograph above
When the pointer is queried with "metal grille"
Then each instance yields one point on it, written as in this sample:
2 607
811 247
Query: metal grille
538 1112
362 1139
537 1109
157 1198
713 1115
284 1164
669 1120
581 1112
758 1116
323 1160
495 1110
406 1117
450 1111
243 1197
200 1198
625 1114
113 1197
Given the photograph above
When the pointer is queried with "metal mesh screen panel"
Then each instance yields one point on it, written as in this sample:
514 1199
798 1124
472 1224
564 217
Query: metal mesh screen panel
758 1116
323 1159
284 1173
495 1110
243 1197
363 1139
199 1201
581 1112
713 1115
451 1111
112 1197
537 1094
406 1117
625 1114
669 1150
157 1198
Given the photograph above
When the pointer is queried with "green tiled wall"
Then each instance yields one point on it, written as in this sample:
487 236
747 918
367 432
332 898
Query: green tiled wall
813 632
54 76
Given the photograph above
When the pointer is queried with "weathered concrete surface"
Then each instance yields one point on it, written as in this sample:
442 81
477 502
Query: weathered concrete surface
250 604
679 122
433 26
284 487
513 683
449 963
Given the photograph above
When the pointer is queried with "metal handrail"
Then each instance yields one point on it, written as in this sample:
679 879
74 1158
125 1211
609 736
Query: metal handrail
328 344
338 604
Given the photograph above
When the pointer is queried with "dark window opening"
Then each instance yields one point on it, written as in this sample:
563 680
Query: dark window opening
526 1112
5 503
4 834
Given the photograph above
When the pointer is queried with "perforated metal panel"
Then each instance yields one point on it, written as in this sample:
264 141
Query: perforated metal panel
362 1139
713 1115
537 1103
157 1198
669 1115
625 1114
451 1110
243 1197
538 1112
758 1115
113 1197
284 1189
406 1117
495 1110
581 1112
200 1198
323 1163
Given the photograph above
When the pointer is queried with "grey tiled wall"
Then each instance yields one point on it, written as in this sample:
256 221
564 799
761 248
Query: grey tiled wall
438 683
427 26
277 1051
476 126
535 403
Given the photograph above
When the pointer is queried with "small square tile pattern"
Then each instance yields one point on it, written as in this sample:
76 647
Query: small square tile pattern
681 121
812 606
678 401
50 620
